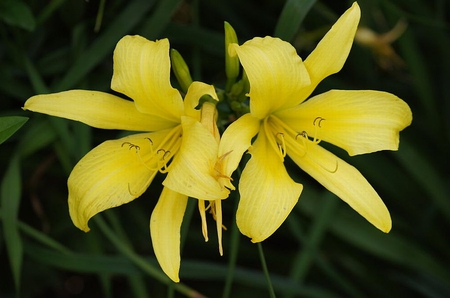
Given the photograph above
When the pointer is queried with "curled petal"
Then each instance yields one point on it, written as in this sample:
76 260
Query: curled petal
330 54
193 172
96 109
113 173
165 225
195 92
267 192
343 180
275 71
142 72
357 121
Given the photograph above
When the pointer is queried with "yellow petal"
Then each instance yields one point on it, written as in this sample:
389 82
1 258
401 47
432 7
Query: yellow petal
330 54
195 92
142 72
235 140
192 172
343 180
267 192
165 225
96 109
114 173
275 71
357 121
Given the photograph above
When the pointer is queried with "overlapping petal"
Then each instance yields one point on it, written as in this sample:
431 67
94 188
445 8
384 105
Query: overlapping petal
142 72
191 100
275 72
267 192
193 170
343 180
235 141
358 121
330 54
165 225
96 109
113 173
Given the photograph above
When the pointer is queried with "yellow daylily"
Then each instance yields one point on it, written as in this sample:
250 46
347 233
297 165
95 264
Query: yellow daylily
285 124
381 46
118 171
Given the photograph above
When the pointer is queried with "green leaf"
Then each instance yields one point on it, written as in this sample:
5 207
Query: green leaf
291 18
10 200
17 13
9 125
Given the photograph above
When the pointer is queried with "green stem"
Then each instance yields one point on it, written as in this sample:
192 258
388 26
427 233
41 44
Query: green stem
266 271
234 248
140 262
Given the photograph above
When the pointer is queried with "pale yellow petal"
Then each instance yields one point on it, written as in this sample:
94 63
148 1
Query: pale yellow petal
275 71
195 92
165 225
267 192
192 171
330 54
235 140
343 180
113 173
96 109
357 121
142 72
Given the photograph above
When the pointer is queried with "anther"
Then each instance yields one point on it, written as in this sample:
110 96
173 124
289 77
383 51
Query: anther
303 134
166 153
130 145
282 144
318 120
150 140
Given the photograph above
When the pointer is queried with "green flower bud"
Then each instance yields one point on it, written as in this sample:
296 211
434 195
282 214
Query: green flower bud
181 70
231 63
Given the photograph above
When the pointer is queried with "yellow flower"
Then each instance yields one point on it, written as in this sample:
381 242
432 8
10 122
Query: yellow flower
118 171
381 46
285 124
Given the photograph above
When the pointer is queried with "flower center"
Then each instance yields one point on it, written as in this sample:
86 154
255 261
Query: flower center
155 153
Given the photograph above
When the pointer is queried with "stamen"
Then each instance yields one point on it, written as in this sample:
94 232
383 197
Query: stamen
201 208
328 170
218 168
218 218
318 120
304 140
130 145
150 140
282 146
163 168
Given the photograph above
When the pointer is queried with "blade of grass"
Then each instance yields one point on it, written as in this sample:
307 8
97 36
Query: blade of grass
150 269
159 19
265 270
305 258
233 251
9 125
10 201
291 18
425 174
39 236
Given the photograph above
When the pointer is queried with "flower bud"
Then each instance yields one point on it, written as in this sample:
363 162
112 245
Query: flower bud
181 70
231 63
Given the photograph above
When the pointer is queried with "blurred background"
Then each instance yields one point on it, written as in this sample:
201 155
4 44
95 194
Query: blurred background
324 249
